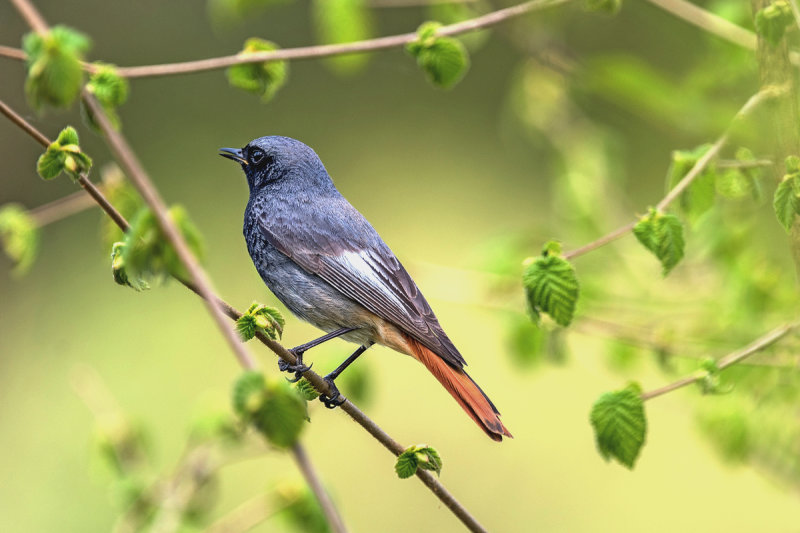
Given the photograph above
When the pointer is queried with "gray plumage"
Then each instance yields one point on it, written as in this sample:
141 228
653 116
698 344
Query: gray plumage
321 257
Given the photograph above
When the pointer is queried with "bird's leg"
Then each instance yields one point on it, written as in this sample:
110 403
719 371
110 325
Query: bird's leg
298 367
335 399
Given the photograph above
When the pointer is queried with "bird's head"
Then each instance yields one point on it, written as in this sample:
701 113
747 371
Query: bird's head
280 163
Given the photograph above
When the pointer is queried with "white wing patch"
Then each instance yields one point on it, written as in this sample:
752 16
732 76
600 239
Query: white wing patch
358 263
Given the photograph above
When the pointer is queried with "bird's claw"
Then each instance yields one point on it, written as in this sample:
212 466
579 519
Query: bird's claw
298 368
335 399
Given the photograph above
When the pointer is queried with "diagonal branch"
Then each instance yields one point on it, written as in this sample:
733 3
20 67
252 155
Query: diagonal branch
731 359
330 511
694 172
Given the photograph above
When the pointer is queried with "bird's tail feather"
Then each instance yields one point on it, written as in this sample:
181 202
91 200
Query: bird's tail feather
465 391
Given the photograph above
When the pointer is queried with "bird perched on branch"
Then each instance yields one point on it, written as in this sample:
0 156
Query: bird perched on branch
329 266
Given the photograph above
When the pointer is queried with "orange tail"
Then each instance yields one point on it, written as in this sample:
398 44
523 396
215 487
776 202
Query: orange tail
466 392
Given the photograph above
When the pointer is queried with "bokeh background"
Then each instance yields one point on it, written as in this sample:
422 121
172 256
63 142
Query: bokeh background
563 129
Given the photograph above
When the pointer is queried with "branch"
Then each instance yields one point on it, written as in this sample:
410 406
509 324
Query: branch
308 52
61 208
708 21
764 94
301 458
729 360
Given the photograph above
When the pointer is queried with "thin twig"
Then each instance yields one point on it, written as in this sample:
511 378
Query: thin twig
310 475
61 208
690 176
708 21
306 52
795 11
736 163
12 53
729 360
24 124
246 516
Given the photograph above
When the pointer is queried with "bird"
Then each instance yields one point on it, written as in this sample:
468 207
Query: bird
324 261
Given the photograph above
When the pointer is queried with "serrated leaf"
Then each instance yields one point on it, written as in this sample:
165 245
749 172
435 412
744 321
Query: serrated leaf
20 237
246 327
699 196
608 7
307 390
343 21
772 21
54 66
662 234
786 201
417 457
51 162
619 423
68 136
444 60
111 91
552 287
264 79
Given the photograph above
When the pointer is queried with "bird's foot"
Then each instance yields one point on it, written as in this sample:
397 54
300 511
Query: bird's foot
335 399
297 368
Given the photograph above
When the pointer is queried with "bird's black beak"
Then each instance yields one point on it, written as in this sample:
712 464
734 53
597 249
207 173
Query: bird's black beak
234 154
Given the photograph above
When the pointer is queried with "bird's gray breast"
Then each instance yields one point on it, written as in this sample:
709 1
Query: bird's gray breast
306 295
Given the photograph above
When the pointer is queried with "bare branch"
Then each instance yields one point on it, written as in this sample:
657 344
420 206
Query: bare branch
708 21
311 477
61 208
729 360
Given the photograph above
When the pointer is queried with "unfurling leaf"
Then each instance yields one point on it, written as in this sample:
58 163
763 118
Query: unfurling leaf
120 273
417 457
699 196
443 59
662 234
147 252
619 423
786 201
551 285
110 89
272 407
64 155
20 236
263 78
307 390
54 66
260 318
772 21
343 21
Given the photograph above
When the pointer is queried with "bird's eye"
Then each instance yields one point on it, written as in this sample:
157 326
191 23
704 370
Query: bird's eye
257 157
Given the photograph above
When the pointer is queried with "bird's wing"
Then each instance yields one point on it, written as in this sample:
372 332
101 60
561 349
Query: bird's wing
343 249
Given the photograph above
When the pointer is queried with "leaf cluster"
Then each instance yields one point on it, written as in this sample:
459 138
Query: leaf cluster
110 89
420 456
54 63
20 237
264 79
444 60
64 155
260 318
772 21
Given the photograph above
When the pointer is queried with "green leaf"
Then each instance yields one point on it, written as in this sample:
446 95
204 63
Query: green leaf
20 237
51 162
772 21
551 285
54 66
260 318
444 60
307 390
120 273
699 196
662 234
264 78
110 89
274 408
417 457
343 21
786 201
147 252
619 423
64 155
608 7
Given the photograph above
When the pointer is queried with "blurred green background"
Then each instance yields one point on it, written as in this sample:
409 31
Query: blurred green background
463 185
